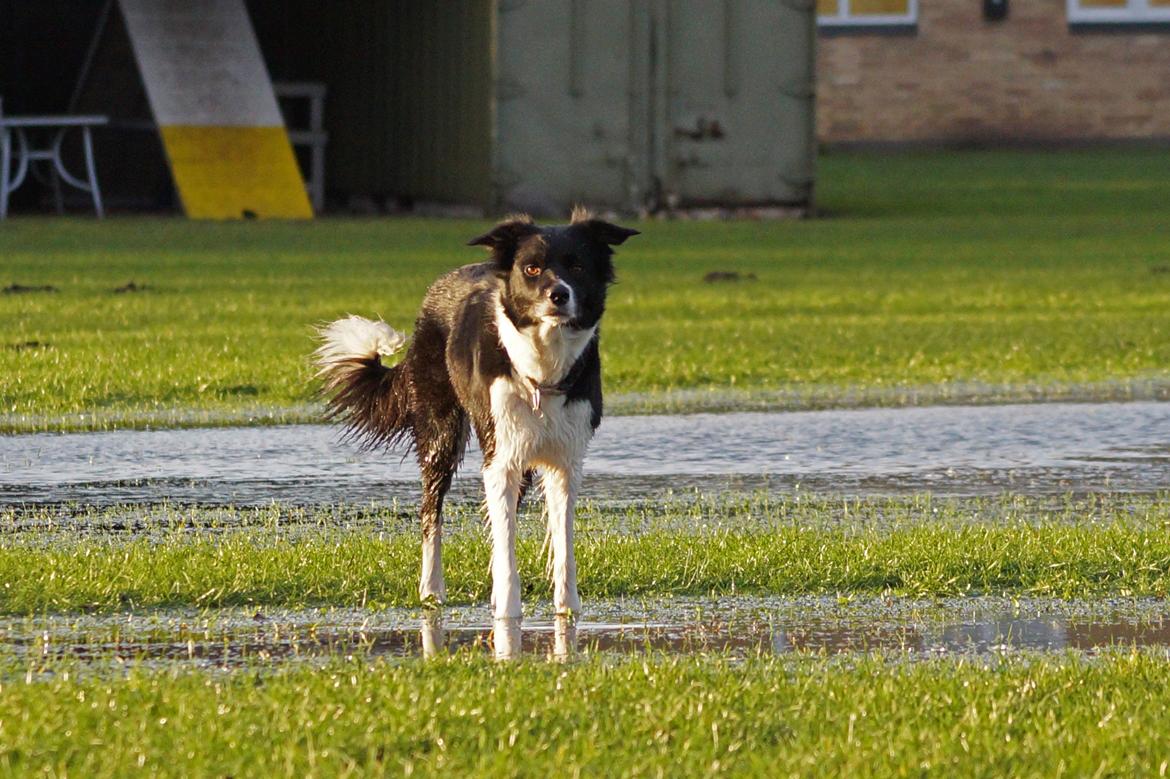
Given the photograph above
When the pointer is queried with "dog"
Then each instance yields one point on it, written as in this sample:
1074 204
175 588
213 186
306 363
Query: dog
509 348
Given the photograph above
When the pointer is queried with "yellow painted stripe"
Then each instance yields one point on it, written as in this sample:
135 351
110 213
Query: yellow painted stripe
236 172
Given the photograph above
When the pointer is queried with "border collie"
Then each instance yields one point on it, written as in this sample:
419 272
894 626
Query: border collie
508 347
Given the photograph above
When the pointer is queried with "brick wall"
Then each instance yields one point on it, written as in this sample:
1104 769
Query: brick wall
961 79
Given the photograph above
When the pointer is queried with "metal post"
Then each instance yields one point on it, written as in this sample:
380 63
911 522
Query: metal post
317 168
5 154
58 195
317 149
92 171
90 53
5 144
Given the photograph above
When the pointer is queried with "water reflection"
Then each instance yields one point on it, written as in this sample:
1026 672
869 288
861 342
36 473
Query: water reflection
562 638
433 633
508 638
505 637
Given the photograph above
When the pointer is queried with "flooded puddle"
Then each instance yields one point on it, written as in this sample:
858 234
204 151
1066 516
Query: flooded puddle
729 626
950 451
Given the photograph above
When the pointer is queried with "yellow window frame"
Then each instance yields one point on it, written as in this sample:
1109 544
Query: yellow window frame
845 16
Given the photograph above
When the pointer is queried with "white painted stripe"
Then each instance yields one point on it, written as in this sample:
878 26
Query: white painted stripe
201 64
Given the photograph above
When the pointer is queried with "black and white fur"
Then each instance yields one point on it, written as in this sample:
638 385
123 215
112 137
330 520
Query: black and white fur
509 347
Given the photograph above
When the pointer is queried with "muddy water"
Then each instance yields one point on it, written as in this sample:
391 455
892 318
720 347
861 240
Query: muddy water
739 627
1039 448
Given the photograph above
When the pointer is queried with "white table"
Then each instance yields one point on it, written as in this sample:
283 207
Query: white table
17 153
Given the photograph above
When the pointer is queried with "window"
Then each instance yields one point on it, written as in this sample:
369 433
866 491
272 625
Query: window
1118 11
855 13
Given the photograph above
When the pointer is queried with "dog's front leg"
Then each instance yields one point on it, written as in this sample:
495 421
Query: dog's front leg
501 484
560 492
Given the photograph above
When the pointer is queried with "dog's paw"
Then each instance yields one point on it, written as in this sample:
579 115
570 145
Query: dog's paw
567 604
431 593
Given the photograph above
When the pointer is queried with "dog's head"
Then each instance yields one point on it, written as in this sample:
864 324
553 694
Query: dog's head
557 275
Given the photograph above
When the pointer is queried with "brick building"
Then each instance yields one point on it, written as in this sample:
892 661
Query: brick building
994 71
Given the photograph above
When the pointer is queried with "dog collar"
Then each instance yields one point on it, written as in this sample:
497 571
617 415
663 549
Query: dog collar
536 390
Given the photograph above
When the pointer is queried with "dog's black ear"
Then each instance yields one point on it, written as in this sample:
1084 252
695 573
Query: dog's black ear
606 232
503 238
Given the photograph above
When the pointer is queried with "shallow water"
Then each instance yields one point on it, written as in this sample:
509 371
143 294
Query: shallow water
952 450
733 626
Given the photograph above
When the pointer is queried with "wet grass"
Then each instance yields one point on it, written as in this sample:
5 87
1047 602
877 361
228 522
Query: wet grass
1025 715
1106 545
935 276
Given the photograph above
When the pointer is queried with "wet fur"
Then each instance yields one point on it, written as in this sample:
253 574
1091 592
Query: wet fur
486 335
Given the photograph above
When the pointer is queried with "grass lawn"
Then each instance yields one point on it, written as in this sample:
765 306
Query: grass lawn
959 275
932 278
179 557
1053 715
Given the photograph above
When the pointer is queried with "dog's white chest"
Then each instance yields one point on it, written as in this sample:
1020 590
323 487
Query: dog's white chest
545 352
556 435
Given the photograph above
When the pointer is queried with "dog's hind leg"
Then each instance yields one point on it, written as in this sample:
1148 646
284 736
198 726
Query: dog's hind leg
440 446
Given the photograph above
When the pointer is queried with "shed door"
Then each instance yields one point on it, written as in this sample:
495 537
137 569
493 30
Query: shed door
738 109
564 97
625 104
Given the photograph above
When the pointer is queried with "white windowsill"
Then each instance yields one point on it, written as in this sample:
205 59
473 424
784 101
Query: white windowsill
867 21
1138 12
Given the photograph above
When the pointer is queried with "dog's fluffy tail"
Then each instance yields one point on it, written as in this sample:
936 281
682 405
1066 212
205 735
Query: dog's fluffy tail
363 394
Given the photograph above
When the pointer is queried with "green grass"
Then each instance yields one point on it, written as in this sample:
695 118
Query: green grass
973 275
1023 716
1115 545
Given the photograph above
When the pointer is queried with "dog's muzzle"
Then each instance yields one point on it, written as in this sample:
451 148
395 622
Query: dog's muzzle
562 305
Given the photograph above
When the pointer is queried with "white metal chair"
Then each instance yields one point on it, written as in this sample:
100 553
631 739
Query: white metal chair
17 153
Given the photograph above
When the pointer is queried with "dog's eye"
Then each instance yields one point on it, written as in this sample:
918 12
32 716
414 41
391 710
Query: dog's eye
532 270
576 269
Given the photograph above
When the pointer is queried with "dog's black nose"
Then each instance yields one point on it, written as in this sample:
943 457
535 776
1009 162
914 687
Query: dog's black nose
559 296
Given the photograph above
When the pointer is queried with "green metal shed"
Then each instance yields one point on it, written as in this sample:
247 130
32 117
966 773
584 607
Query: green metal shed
538 104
